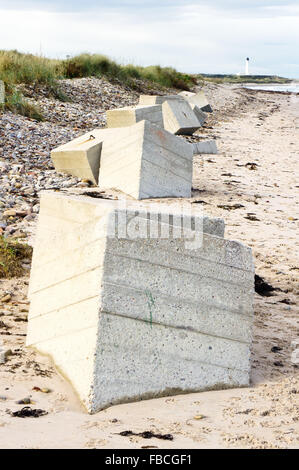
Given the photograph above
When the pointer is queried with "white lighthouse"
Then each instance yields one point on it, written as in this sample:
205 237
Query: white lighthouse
247 66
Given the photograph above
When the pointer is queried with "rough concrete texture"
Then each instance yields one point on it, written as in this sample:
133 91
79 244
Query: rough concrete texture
81 157
145 162
198 98
126 319
2 92
157 99
150 208
201 116
130 115
179 118
206 146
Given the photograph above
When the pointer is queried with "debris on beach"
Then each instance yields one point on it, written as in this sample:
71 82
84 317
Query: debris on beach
276 349
228 207
27 412
251 216
262 287
43 390
148 435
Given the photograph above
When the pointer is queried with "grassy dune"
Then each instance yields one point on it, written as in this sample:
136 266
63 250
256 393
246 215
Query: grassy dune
17 69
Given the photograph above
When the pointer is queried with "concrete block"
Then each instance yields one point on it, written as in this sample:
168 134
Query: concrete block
2 355
130 115
2 92
128 318
201 116
157 99
206 146
81 156
198 98
179 118
146 162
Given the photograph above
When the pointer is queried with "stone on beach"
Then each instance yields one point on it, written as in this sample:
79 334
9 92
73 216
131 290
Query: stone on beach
81 156
2 92
2 355
179 118
145 162
127 318
130 115
198 98
206 146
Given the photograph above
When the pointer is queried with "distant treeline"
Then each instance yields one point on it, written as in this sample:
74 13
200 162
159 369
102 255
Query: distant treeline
226 78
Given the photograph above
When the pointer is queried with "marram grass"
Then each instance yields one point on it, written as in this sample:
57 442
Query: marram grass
17 68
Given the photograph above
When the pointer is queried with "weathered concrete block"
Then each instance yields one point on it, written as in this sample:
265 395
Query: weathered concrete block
201 116
146 161
198 98
128 318
206 146
179 118
81 156
157 99
2 92
130 115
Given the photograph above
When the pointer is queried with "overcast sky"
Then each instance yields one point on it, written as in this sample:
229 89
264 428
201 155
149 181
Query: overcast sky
212 36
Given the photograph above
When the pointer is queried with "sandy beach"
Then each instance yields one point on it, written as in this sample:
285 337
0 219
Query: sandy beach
251 183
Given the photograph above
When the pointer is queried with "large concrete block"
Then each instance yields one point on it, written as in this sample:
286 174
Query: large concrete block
129 318
198 98
81 156
201 116
130 115
179 118
157 99
147 162
206 146
2 92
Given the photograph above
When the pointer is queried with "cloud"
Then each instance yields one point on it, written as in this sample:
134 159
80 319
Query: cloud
194 36
87 5
139 5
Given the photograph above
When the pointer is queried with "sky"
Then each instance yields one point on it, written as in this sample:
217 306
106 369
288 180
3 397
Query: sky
208 36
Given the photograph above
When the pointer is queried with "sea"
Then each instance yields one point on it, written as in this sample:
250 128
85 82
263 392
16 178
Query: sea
289 87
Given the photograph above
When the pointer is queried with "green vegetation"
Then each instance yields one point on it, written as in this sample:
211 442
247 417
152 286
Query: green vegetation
23 69
260 79
17 69
87 65
12 255
15 102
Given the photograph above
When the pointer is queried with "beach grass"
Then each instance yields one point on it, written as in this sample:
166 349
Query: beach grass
18 69
12 255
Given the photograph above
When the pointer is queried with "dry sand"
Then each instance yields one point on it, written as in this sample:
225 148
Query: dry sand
250 127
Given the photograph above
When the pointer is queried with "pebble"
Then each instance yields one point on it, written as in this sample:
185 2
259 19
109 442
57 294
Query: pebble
4 355
24 401
5 298
9 213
